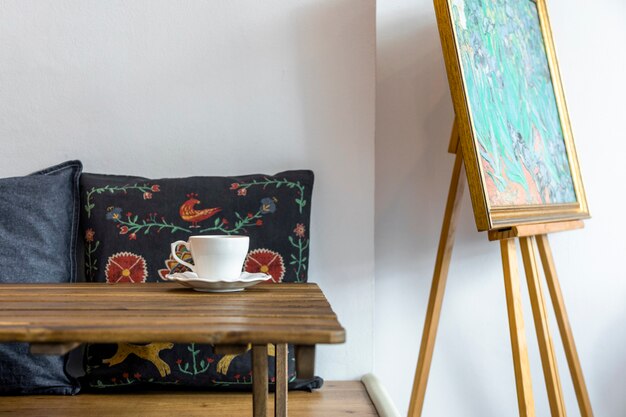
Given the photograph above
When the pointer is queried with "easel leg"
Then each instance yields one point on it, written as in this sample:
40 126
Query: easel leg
435 299
516 328
564 328
546 348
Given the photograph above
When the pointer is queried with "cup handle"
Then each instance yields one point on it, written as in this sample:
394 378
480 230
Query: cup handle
173 247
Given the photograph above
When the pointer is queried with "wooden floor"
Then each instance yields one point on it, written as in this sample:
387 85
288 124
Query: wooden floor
336 398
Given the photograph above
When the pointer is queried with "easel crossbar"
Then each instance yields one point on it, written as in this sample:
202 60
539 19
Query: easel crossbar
526 230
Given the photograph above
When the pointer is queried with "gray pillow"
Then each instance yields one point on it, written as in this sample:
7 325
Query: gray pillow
38 234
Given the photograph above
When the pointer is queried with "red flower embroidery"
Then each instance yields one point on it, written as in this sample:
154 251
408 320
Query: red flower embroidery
242 191
132 236
225 221
123 230
259 222
179 361
266 261
125 375
137 375
299 230
250 215
234 186
89 235
147 195
155 188
210 360
125 267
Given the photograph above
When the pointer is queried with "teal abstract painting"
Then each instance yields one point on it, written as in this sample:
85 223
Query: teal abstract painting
512 102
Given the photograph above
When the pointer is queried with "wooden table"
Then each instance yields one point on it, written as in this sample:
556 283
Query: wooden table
57 317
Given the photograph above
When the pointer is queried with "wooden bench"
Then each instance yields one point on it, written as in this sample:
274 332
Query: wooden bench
55 318
345 398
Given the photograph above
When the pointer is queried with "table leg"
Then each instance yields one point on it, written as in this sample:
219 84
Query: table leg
259 380
282 379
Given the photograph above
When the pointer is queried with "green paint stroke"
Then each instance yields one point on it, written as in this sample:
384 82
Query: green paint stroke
512 102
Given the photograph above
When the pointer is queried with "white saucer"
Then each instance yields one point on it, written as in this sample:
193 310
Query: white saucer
192 280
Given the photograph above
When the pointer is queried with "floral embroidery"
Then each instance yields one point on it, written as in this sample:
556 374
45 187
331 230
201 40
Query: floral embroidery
127 380
196 368
242 188
126 267
299 230
145 188
114 213
301 244
268 205
131 225
266 261
91 245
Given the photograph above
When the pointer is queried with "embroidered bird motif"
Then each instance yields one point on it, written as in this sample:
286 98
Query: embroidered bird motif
149 352
224 364
189 214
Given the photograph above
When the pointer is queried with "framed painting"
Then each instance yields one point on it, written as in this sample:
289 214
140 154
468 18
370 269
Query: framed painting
515 134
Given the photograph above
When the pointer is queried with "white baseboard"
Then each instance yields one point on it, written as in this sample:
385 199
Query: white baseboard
379 396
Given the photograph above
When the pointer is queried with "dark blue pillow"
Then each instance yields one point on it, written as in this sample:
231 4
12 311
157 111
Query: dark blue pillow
38 233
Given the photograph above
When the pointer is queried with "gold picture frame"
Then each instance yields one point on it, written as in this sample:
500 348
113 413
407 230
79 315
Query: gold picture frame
536 158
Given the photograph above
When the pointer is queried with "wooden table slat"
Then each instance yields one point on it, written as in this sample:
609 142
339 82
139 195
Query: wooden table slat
89 312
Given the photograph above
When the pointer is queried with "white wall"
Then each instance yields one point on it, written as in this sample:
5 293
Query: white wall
179 88
472 373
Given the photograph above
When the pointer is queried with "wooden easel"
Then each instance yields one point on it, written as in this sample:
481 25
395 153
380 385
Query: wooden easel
530 236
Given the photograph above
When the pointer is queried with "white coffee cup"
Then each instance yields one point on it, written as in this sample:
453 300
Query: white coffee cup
216 258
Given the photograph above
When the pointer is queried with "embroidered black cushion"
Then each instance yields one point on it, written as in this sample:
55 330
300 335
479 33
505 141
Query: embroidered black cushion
38 234
128 224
